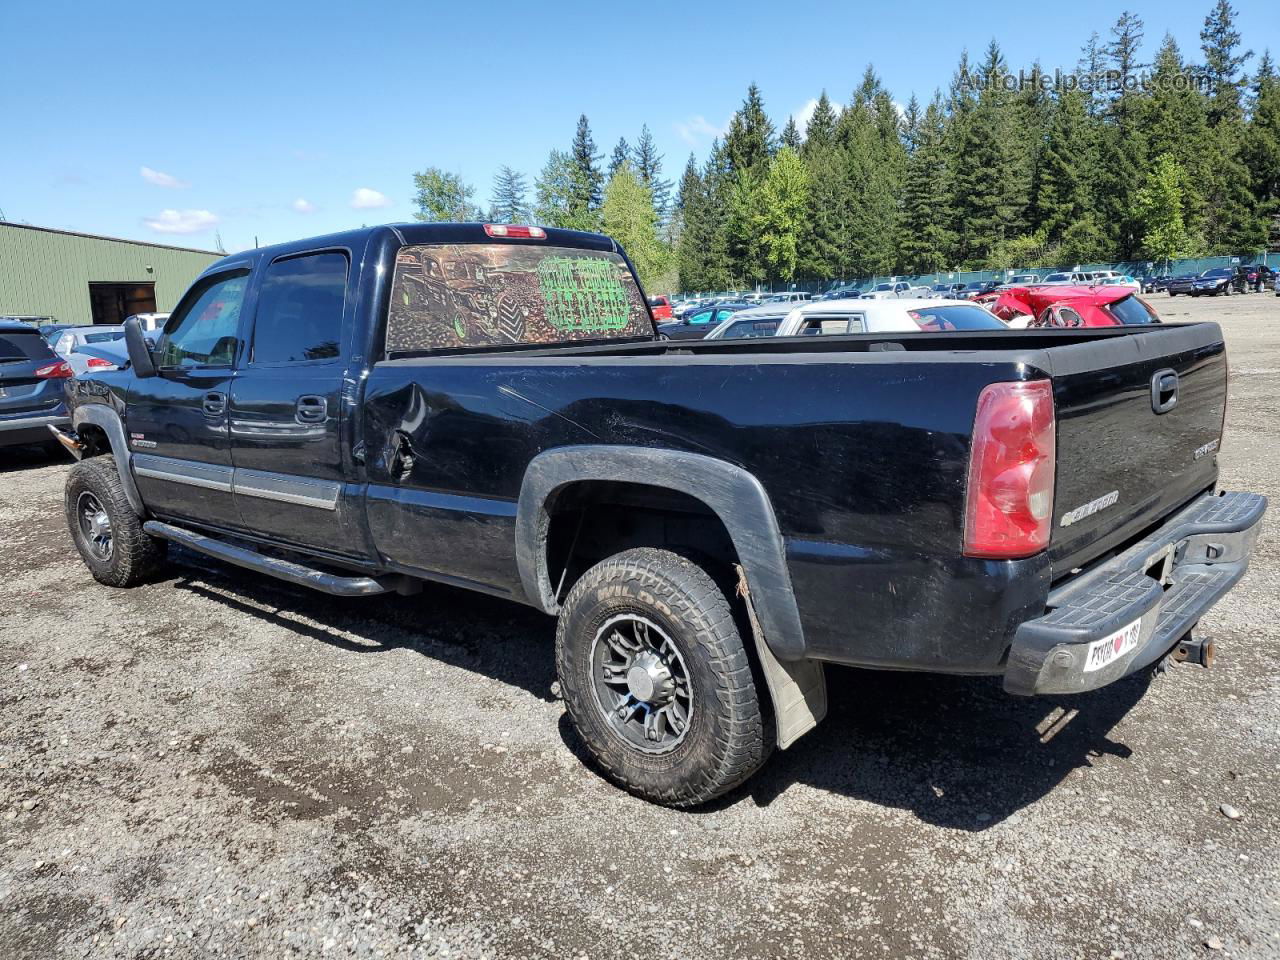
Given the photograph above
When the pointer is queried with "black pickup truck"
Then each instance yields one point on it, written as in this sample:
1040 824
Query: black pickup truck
488 407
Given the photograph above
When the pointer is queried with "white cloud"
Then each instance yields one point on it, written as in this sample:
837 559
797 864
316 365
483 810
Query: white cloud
365 199
302 205
181 221
160 179
698 128
805 114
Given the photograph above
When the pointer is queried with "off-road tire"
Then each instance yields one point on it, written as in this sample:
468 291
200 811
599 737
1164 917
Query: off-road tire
728 737
135 556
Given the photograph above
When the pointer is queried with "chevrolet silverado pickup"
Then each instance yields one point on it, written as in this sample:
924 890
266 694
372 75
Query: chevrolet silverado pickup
711 522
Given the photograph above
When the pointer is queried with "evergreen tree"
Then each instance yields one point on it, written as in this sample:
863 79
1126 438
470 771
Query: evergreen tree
1091 70
620 158
750 141
508 203
1262 138
1064 194
553 192
695 228
821 129
1220 41
718 180
791 134
648 164
925 241
443 197
1174 118
587 179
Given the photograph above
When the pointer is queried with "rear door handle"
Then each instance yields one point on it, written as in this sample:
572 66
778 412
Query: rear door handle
312 409
214 404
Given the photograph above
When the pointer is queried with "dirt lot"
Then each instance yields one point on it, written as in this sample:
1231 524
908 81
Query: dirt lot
216 765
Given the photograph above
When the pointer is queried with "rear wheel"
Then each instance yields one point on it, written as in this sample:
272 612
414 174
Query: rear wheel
657 680
104 527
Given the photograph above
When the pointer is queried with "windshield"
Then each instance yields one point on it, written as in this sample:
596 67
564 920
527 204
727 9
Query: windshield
1131 310
1217 272
958 316
1025 278
884 286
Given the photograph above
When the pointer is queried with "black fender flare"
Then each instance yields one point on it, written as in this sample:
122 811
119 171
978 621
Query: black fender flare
731 493
109 422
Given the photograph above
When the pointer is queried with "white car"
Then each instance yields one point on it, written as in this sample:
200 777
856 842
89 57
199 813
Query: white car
151 322
793 297
889 290
68 340
828 317
1121 280
1023 280
1072 279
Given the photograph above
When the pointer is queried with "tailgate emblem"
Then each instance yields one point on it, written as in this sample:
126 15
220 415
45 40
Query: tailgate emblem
1090 508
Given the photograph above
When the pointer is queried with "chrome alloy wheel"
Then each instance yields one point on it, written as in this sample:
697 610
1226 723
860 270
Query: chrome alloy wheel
95 525
641 683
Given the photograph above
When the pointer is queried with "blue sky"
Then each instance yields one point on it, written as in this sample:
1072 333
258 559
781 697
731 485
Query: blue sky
170 121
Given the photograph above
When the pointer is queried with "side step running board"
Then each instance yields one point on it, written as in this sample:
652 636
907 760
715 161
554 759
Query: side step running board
272 567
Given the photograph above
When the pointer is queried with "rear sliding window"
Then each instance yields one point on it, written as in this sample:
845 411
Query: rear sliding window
451 296
1131 310
18 345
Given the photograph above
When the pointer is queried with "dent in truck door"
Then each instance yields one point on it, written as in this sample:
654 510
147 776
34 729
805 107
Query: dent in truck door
286 407
177 421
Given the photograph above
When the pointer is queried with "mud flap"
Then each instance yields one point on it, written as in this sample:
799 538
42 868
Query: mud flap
798 689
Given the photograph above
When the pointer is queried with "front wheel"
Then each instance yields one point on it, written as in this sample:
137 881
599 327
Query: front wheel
104 527
657 680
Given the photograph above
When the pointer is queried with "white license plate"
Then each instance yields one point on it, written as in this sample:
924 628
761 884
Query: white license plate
1111 648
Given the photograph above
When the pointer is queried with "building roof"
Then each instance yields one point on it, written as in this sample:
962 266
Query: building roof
95 236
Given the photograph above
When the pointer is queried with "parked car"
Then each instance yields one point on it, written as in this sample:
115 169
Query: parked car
914 315
1121 280
977 288
1023 280
150 322
947 291
1070 278
1053 306
792 296
710 522
889 290
696 324
72 338
660 307
761 321
1181 284
31 378
106 355
50 330
1213 283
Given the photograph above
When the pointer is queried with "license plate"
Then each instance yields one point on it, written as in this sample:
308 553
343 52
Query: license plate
1111 648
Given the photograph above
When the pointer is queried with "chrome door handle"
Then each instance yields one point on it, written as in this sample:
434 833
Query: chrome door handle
312 409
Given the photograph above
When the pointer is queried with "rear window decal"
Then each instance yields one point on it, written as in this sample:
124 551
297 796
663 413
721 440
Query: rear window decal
451 296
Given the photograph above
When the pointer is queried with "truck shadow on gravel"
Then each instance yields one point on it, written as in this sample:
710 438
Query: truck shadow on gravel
956 751
16 459
500 639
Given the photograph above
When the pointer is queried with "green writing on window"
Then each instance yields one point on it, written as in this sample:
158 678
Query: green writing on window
583 293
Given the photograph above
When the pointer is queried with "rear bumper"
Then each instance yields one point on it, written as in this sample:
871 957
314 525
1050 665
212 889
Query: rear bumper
34 428
1129 612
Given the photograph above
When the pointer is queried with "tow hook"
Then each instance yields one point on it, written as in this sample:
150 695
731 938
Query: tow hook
1193 650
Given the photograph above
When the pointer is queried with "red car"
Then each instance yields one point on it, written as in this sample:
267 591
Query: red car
1064 306
661 307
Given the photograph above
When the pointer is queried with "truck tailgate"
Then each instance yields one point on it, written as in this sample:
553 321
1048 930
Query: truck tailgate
1139 420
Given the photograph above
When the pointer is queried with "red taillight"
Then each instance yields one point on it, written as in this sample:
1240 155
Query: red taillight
522 233
54 371
97 363
1009 503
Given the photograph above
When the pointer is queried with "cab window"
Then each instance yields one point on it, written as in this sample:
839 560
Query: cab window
202 331
299 314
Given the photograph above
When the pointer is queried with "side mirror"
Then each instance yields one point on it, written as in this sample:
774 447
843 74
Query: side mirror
140 358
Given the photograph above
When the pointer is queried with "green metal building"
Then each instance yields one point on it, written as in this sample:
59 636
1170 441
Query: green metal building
81 278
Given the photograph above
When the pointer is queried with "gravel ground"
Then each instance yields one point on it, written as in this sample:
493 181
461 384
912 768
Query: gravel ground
217 765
